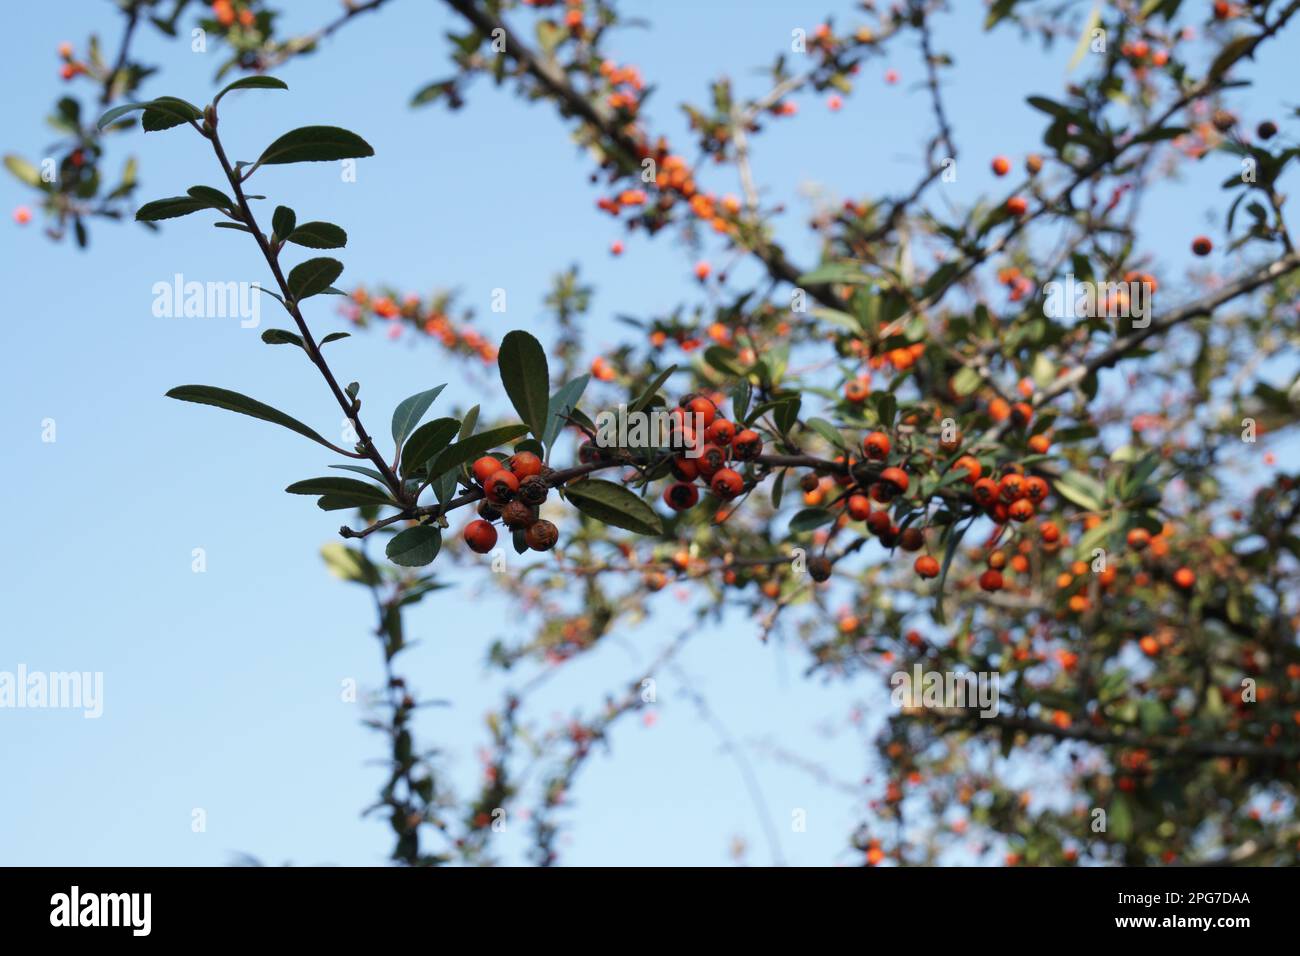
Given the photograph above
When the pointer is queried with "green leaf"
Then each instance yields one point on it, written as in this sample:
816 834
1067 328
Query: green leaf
409 412
560 405
310 144
467 424
810 519
966 381
847 273
360 492
282 337
1119 821
317 235
313 277
349 564
24 170
425 442
524 373
468 448
614 505
171 208
828 431
335 336
166 112
954 538
252 83
283 221
652 389
1082 490
119 111
415 547
234 402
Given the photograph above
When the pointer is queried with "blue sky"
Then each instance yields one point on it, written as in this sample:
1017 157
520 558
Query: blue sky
222 688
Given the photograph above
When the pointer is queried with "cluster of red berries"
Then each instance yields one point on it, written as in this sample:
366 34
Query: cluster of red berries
513 491
724 444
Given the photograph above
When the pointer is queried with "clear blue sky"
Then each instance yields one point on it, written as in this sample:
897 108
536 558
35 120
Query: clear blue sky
222 688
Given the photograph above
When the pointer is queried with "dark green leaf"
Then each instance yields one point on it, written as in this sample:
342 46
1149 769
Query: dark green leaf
166 112
235 402
614 505
560 405
313 277
318 235
281 337
252 83
415 547
473 446
425 442
409 412
524 373
310 144
810 519
360 492
171 208
283 220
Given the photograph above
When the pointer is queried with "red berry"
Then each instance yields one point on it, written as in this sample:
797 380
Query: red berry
501 486
1184 578
859 507
747 445
1202 246
895 477
1021 509
985 492
991 580
699 405
876 446
1001 165
712 458
680 495
1017 206
721 433
726 484
480 536
484 468
525 465
926 566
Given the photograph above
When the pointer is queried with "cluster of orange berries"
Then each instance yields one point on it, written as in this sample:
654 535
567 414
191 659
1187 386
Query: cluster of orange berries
1140 54
71 67
724 444
513 490
429 319
226 13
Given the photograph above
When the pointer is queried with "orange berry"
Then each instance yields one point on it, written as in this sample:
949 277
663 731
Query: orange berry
1150 646
926 566
747 445
525 464
1001 165
971 465
1021 510
999 410
681 495
991 580
726 484
1202 246
480 536
895 477
1138 539
859 507
876 446
1039 444
1184 578
485 467
856 391
1017 206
